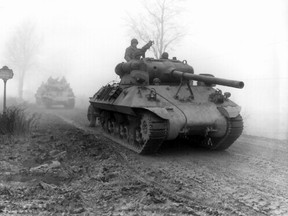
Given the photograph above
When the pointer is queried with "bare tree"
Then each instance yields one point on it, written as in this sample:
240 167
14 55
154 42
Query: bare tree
21 52
158 23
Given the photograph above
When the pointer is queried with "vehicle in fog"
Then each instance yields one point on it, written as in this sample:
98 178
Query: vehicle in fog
158 100
55 92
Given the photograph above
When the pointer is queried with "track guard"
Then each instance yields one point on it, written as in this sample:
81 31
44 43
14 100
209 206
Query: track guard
161 112
229 111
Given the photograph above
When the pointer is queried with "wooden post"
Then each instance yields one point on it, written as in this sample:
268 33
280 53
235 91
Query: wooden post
4 103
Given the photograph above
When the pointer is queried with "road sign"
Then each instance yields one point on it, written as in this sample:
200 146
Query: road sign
6 73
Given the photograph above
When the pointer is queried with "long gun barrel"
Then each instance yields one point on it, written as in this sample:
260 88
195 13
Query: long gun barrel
207 79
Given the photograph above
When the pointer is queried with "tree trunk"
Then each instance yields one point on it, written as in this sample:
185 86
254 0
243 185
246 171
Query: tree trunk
21 85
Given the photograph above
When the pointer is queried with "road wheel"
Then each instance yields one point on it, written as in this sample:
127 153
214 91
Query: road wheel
91 116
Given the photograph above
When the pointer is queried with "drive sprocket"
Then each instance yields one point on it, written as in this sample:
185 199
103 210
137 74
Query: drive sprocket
234 130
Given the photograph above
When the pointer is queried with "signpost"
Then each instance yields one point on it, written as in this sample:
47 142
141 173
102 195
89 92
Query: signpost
5 74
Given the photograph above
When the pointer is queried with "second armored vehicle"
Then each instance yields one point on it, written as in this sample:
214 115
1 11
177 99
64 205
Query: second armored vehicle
55 92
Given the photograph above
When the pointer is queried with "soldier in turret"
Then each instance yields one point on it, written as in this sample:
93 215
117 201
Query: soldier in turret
129 53
132 52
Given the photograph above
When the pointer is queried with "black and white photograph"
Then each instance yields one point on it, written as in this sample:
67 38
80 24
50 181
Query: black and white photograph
144 107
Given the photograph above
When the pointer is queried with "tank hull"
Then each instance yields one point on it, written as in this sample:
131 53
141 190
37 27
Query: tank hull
183 116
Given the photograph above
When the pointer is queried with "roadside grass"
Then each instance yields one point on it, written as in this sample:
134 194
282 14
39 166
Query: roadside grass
16 121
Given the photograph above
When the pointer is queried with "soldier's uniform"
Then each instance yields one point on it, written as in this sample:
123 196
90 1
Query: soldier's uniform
129 53
131 50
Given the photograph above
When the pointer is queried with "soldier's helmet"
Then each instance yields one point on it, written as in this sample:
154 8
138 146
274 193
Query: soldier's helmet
134 40
164 55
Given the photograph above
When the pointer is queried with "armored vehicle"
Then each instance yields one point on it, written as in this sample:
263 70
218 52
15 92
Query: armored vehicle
55 92
159 99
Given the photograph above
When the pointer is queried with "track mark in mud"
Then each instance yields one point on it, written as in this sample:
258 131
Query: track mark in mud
252 194
263 163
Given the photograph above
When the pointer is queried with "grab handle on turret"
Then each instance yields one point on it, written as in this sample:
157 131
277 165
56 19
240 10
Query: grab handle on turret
207 79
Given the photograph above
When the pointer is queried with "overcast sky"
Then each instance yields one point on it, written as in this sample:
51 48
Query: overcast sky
235 39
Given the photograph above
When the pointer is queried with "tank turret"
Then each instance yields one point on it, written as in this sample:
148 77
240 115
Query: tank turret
170 72
157 100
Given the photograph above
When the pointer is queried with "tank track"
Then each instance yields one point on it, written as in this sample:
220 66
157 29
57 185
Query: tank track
143 134
234 130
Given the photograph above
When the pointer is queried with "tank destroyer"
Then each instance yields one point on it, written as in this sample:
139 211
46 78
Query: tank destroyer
162 99
55 92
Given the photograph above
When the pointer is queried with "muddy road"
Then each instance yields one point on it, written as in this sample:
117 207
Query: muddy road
250 178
